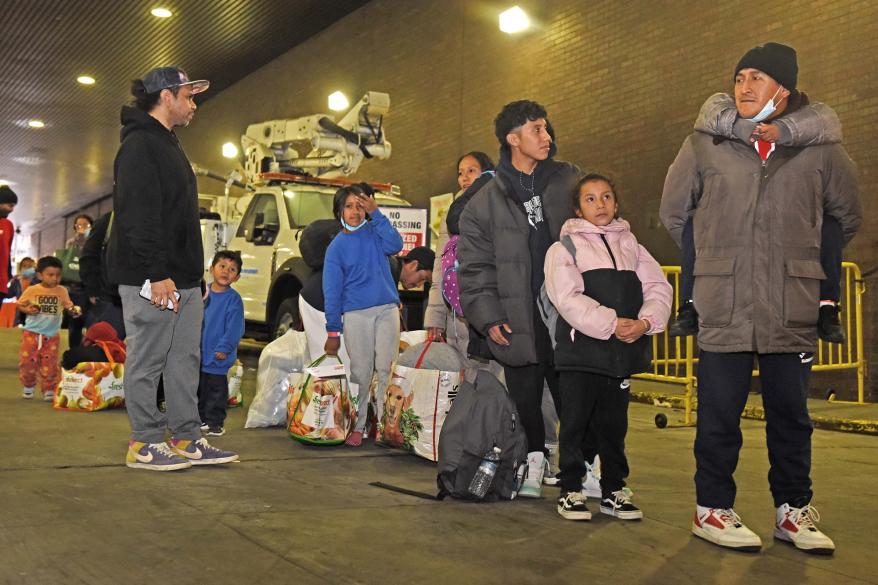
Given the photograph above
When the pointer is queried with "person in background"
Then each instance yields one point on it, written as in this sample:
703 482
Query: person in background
43 304
358 285
81 228
414 269
27 272
100 344
106 304
8 201
474 170
220 335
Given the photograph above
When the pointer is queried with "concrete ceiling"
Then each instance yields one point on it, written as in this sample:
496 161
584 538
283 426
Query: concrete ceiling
46 44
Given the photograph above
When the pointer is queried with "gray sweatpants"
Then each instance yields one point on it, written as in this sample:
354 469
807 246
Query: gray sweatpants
162 343
372 339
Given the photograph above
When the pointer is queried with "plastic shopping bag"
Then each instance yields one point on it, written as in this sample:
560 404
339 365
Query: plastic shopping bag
321 411
91 386
418 399
280 367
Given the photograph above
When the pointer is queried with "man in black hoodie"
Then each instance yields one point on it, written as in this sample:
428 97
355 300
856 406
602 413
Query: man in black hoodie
505 232
155 251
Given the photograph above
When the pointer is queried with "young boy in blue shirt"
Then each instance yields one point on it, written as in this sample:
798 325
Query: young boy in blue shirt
220 334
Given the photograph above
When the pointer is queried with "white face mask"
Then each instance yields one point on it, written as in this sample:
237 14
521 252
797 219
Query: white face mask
766 110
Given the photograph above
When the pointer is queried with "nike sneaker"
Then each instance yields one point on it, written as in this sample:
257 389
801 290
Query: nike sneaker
153 456
201 452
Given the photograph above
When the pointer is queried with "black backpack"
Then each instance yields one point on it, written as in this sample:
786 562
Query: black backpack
482 416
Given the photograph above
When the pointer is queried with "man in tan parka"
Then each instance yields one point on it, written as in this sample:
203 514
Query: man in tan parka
757 211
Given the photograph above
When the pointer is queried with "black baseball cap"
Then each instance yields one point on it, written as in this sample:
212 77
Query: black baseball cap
168 77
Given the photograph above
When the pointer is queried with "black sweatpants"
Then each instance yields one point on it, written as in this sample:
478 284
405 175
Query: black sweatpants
213 397
597 404
525 385
723 385
831 249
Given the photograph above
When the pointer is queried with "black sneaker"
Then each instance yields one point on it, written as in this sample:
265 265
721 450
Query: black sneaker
571 506
619 504
686 322
215 431
829 326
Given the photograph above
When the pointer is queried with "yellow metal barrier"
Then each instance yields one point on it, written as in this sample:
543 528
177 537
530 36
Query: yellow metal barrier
674 358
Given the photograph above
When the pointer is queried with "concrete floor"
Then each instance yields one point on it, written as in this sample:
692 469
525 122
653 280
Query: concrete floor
73 513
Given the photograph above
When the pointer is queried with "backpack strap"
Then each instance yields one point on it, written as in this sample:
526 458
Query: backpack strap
570 246
109 228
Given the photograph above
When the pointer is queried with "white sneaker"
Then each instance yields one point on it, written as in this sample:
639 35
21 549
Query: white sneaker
724 528
532 487
591 485
48 396
27 392
797 526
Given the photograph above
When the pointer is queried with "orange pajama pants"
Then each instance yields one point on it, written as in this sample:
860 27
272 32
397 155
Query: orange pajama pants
38 358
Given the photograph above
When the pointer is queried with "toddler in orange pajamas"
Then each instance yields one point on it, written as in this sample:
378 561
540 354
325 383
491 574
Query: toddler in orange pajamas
43 304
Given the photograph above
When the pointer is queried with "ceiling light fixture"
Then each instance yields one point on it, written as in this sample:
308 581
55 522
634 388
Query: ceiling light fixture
338 101
36 123
230 150
86 79
161 12
514 20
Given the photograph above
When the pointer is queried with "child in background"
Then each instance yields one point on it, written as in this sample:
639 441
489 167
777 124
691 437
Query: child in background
357 283
43 304
220 335
9 315
609 295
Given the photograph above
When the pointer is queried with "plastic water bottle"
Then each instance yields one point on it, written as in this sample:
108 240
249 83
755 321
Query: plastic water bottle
485 473
235 398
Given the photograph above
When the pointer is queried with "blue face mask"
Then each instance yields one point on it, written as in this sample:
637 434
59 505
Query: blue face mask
352 228
87 232
29 272
767 110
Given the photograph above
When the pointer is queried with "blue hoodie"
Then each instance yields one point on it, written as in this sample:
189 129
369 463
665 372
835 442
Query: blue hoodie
356 273
222 330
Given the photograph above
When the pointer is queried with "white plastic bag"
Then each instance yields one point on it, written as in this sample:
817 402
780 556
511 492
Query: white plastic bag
279 366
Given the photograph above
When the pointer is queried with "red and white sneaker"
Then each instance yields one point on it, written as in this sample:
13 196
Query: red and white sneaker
797 526
723 527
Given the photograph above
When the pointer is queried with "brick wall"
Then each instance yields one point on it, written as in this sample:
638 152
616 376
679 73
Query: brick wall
622 83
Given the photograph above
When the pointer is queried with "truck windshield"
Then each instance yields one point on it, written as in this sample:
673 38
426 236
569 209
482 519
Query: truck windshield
304 206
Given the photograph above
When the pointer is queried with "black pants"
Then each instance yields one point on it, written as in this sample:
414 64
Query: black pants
213 397
76 324
831 248
723 385
525 385
597 405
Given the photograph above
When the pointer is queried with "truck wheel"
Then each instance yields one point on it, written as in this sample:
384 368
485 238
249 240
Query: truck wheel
287 317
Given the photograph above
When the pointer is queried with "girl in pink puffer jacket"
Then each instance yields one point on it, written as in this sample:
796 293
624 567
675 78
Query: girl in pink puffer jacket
609 297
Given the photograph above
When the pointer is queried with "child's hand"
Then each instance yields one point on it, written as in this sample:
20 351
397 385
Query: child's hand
220 356
29 309
369 204
75 311
767 132
630 330
332 345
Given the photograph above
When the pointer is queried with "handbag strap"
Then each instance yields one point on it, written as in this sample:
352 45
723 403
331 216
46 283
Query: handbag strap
423 354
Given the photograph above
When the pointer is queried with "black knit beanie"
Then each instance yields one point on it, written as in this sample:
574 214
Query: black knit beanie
774 59
7 195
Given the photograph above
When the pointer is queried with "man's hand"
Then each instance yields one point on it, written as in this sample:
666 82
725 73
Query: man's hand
220 356
630 330
162 292
332 345
767 132
368 203
496 334
435 334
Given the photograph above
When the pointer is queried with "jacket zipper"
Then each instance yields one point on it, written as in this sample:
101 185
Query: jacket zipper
613 258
